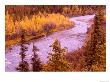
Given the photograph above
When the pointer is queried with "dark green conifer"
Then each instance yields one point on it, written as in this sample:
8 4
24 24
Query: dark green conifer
95 50
36 63
23 64
57 60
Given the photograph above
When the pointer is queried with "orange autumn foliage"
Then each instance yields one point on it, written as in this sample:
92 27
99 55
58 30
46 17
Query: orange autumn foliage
36 23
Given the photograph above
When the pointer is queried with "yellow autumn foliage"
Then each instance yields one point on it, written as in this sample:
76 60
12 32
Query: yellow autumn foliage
36 23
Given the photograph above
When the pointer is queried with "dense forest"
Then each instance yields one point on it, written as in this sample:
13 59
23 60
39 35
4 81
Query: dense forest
68 10
25 23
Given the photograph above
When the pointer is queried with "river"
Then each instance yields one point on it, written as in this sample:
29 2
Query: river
72 39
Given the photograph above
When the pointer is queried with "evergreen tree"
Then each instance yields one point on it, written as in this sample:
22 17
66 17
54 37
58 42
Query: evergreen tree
99 42
36 63
57 61
95 50
23 65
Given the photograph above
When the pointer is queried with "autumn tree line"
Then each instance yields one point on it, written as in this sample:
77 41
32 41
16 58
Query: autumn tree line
68 10
34 21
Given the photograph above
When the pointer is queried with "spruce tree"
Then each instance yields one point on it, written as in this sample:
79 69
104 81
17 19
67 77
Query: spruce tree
95 50
23 65
99 42
36 63
57 60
